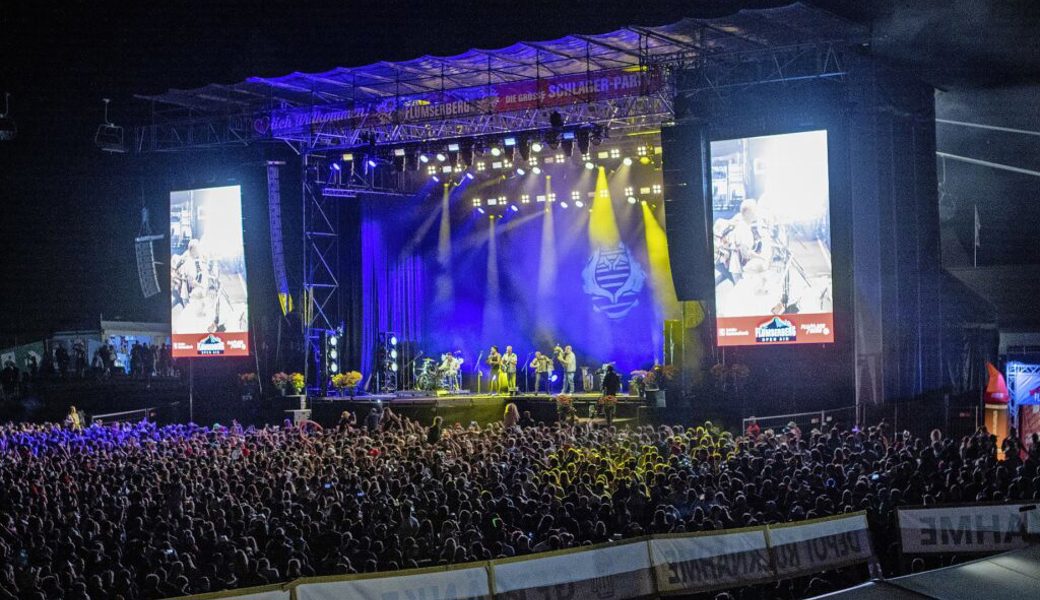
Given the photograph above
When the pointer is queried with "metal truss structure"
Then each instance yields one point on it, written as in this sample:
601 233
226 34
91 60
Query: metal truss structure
626 81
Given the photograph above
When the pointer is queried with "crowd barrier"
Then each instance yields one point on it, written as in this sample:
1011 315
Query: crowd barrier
972 528
643 567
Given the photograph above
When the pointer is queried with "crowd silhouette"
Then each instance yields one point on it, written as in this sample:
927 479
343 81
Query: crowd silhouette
139 511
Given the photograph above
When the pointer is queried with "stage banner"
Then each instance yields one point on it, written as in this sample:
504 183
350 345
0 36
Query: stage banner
606 573
510 96
209 313
703 562
814 546
771 235
462 583
961 529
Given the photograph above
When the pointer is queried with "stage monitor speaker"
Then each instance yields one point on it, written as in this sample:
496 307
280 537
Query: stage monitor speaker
684 158
146 273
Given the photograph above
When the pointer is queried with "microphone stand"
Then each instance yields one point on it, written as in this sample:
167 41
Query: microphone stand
476 367
527 373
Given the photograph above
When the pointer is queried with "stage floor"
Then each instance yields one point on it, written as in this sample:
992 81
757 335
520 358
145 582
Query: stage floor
409 398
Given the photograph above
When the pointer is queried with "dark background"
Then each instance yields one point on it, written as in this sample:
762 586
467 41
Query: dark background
68 212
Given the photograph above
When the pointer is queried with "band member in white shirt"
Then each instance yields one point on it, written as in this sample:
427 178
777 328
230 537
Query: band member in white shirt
570 364
543 366
509 368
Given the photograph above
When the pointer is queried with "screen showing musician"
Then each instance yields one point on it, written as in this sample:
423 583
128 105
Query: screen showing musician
772 239
208 298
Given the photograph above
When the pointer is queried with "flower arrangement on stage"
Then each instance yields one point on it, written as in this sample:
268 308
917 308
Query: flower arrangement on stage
346 380
609 406
607 401
565 408
298 382
246 379
280 381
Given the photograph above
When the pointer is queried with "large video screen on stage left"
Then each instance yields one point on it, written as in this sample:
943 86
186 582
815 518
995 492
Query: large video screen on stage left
208 298
772 239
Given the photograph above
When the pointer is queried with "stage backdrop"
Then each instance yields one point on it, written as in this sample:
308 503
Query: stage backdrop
495 261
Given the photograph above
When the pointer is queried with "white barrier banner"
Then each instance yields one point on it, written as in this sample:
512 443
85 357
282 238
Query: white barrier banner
818 546
272 595
985 528
611 573
456 584
703 563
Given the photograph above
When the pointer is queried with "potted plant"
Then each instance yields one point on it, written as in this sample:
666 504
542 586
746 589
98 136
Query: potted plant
247 383
297 382
347 381
565 408
280 381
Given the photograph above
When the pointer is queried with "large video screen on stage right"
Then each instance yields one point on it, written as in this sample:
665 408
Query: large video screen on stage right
772 239
208 297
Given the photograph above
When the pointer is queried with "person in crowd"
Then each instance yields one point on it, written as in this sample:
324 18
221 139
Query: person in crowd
511 418
141 512
74 420
753 429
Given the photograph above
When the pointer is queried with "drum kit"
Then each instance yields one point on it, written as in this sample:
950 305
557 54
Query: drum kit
432 376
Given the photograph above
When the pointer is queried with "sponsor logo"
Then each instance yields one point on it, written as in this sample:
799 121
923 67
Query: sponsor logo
732 331
776 330
236 344
210 344
613 279
815 328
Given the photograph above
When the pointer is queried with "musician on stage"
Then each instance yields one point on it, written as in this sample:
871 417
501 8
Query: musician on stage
570 364
509 366
494 360
543 367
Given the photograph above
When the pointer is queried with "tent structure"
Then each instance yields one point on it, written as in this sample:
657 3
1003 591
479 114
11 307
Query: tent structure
1014 574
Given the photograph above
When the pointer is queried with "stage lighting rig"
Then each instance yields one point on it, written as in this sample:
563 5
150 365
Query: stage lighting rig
8 127
109 136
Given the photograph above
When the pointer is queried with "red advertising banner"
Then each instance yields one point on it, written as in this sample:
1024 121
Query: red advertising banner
189 345
784 329
496 98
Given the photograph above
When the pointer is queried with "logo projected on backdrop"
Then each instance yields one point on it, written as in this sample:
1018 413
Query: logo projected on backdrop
613 279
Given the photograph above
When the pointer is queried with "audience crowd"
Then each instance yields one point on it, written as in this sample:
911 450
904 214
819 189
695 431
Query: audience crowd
138 511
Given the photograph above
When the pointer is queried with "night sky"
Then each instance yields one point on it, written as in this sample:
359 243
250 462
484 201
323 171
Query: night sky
68 212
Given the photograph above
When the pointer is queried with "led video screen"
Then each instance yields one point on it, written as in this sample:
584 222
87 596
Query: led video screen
208 299
772 239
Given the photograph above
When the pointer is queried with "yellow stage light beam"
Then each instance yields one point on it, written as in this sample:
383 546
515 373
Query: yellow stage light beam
445 288
660 266
603 228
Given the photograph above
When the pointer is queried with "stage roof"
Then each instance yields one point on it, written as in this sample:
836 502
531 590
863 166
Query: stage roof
687 42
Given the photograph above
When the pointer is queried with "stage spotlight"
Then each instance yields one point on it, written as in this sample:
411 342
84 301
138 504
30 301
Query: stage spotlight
393 340
536 147
563 204
333 353
644 160
393 367
436 179
348 157
627 161
454 147
336 166
470 176
333 340
513 208
480 210
333 367
371 163
423 158
536 170
441 157
589 165
509 141
520 171
496 151
393 353
631 199
579 204
643 202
